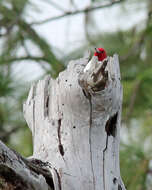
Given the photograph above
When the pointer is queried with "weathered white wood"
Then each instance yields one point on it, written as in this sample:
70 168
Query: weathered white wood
75 123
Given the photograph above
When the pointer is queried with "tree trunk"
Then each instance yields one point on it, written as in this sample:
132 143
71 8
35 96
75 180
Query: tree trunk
75 123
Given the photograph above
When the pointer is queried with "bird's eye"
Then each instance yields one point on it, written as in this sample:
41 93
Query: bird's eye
102 51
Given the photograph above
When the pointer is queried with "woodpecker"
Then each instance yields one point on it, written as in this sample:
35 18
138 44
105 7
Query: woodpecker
100 54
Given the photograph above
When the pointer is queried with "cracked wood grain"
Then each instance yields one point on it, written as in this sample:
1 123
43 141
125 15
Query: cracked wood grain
61 149
104 151
90 142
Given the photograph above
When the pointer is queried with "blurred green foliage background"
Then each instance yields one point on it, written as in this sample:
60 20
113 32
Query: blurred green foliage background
18 36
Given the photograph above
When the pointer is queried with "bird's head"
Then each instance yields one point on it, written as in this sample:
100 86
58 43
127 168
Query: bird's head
100 53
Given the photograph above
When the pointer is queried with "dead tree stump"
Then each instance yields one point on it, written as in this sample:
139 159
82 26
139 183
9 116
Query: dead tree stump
75 123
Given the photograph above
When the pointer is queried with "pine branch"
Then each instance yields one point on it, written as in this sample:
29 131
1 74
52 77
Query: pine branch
70 13
34 58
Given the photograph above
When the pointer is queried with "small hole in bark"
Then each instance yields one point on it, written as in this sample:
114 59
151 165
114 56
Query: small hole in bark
66 80
114 180
74 127
62 104
111 125
70 85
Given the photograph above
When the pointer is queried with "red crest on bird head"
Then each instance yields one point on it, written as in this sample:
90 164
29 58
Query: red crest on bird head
100 53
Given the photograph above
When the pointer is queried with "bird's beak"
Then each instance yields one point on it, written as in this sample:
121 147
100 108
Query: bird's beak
97 50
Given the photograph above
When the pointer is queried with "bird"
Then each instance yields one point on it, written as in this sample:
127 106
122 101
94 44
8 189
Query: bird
99 54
